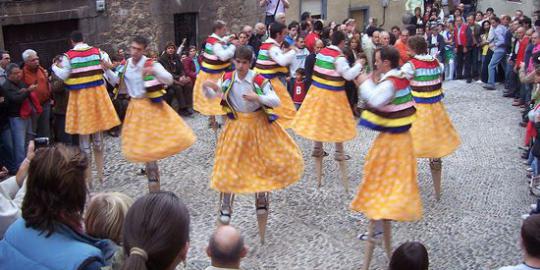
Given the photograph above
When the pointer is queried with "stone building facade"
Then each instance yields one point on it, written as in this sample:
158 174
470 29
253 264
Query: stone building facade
389 12
44 25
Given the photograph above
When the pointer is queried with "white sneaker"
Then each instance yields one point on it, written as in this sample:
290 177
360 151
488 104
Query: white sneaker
525 216
529 169
533 207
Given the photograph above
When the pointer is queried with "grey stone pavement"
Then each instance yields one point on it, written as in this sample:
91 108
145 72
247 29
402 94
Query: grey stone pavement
474 226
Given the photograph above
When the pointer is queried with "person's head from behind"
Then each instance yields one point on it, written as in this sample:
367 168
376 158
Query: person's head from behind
319 45
226 248
417 45
386 58
278 31
260 29
76 37
306 16
56 189
219 28
338 39
105 215
5 59
13 72
300 74
410 256
530 237
318 26
242 59
156 232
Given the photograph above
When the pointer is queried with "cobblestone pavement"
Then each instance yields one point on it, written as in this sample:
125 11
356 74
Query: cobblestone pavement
474 226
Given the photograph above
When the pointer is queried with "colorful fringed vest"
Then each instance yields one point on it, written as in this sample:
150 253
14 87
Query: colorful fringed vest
258 84
86 70
210 61
324 73
154 88
427 82
396 116
265 65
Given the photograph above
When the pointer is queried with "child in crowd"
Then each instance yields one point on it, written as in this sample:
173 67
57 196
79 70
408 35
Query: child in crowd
299 89
298 62
105 219
410 256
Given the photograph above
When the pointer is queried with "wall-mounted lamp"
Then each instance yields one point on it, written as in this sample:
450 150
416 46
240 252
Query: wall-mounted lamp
384 3
100 5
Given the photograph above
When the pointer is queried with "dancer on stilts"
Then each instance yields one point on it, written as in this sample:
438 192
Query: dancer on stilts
254 154
433 134
216 60
152 130
389 190
90 110
272 63
325 115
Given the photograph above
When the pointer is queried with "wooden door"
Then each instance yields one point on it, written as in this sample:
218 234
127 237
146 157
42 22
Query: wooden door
47 39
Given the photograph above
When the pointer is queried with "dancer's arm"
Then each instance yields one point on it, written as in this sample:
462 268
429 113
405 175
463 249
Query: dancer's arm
346 71
212 89
162 74
408 70
269 97
376 95
222 53
283 59
62 69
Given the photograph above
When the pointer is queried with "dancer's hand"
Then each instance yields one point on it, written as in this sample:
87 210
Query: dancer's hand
148 71
361 79
105 65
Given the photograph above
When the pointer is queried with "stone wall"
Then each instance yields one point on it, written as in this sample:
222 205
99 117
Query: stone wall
124 19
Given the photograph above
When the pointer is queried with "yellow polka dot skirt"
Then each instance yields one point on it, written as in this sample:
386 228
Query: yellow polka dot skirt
389 189
286 111
89 111
201 103
325 116
433 134
153 131
254 156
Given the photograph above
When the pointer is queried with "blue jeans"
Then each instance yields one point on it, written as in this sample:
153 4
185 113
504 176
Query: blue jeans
6 149
497 57
20 132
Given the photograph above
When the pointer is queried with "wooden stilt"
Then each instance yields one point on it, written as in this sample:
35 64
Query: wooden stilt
262 203
387 228
436 174
152 172
370 245
319 170
344 175
225 208
98 156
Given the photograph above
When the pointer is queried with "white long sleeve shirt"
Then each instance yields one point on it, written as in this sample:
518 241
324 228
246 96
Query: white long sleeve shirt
379 95
223 53
245 86
299 60
275 52
344 69
134 79
10 203
65 71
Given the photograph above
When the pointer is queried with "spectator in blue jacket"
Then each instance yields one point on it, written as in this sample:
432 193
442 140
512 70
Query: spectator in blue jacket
50 233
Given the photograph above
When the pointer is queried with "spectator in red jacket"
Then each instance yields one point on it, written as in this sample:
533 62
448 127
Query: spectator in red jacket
464 41
312 37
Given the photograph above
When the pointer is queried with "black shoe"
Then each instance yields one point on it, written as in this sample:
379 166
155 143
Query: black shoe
508 95
469 80
489 87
